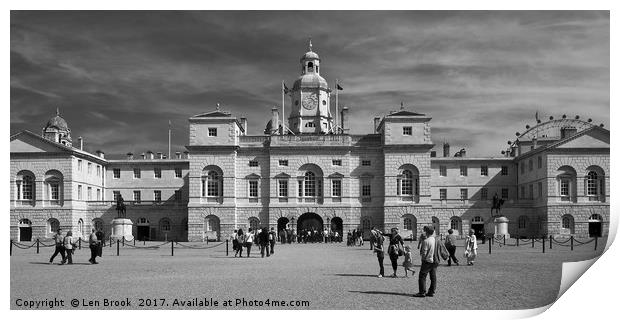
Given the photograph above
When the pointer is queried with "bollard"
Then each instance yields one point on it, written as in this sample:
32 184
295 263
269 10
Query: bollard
550 242
123 241
595 243
144 241
80 243
134 241
532 238
11 250
489 245
172 248
543 242
517 241
571 243
38 246
504 239
227 247
118 242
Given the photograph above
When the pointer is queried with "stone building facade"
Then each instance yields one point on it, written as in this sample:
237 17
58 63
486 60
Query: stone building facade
310 172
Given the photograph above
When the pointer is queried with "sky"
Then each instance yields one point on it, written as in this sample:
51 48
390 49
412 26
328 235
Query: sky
118 77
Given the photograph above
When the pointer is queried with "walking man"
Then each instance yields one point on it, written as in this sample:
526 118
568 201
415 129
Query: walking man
59 247
430 261
377 239
451 246
93 244
272 239
263 241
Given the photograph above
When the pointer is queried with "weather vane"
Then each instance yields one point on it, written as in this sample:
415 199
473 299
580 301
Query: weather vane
310 43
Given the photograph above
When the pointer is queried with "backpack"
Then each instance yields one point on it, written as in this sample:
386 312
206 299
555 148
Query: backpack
441 250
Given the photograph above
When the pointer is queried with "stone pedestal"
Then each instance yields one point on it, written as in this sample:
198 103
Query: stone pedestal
122 227
501 226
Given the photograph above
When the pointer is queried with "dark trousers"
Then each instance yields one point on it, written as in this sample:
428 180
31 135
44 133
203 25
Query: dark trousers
61 250
394 260
380 257
69 253
452 251
264 247
249 247
425 269
272 244
94 250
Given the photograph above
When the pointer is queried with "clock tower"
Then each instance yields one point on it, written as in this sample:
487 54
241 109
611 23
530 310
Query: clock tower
310 108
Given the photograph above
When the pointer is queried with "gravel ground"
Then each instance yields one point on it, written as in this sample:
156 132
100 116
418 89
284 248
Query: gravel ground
327 276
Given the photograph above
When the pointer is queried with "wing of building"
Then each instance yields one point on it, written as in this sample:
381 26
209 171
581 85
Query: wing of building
309 172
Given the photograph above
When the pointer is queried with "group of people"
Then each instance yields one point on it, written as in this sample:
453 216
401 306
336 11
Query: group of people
432 250
290 235
65 246
355 238
262 237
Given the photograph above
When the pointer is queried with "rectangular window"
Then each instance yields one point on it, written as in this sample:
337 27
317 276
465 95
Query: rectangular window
443 171
464 196
90 168
530 164
79 165
564 188
463 171
116 173
116 194
484 193
522 192
540 190
98 194
505 193
484 170
212 132
136 173
366 190
178 173
98 170
253 188
79 192
300 188
178 195
54 191
522 168
253 163
443 194
283 163
283 188
89 193
504 170
366 163
531 190
539 162
337 162
337 188
136 196
157 196
157 172
407 131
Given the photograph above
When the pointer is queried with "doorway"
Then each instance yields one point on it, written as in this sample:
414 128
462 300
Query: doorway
336 226
595 225
477 224
309 227
282 229
25 230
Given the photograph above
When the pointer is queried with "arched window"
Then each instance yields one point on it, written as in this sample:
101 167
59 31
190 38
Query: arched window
408 183
477 219
310 189
164 224
24 184
568 223
53 187
310 66
592 184
523 222
80 227
143 221
211 184
456 224
254 223
52 225
566 179
407 224
98 224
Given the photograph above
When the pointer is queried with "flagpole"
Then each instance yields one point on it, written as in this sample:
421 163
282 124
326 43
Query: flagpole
282 131
337 125
169 134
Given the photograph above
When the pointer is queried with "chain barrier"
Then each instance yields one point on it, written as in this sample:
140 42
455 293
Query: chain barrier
561 243
146 247
192 247
23 246
581 243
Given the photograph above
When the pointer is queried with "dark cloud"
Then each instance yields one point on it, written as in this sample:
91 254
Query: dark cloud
119 76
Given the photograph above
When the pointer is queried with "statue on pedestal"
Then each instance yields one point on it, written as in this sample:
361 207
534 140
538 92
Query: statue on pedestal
497 206
120 207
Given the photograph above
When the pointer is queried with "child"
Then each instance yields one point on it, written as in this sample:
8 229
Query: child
407 264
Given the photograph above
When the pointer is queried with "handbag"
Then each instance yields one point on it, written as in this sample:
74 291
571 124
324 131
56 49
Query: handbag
466 254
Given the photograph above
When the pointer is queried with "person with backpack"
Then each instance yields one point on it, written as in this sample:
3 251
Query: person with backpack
430 260
451 247
240 242
377 238
395 249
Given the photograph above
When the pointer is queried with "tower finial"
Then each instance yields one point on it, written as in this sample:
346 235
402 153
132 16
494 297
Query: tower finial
57 111
310 43
217 106
402 105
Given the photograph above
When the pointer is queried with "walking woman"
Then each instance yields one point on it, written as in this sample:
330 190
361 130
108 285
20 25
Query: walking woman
239 242
377 239
69 244
395 249
471 248
249 240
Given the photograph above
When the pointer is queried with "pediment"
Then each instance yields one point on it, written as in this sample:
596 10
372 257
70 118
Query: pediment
591 139
28 142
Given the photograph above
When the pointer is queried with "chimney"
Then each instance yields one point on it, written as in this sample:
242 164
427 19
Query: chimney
81 143
178 154
160 155
100 154
165 156
433 154
345 120
377 121
186 153
149 155
244 124
129 156
462 152
446 149
143 156
275 120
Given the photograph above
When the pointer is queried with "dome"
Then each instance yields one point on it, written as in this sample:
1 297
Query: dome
57 122
310 80
310 55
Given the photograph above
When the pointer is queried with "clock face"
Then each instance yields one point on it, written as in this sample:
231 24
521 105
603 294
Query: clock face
310 101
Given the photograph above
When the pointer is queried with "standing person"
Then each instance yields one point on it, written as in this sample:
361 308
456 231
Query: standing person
249 240
450 244
377 239
240 242
272 240
421 239
471 248
69 244
263 241
430 261
395 249
59 246
235 241
93 245
361 236
408 263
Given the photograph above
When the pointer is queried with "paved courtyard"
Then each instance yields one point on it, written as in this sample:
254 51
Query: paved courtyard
327 276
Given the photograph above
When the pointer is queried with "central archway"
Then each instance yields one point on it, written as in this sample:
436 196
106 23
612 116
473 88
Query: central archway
309 221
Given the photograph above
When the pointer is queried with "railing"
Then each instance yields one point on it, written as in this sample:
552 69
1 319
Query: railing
109 203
